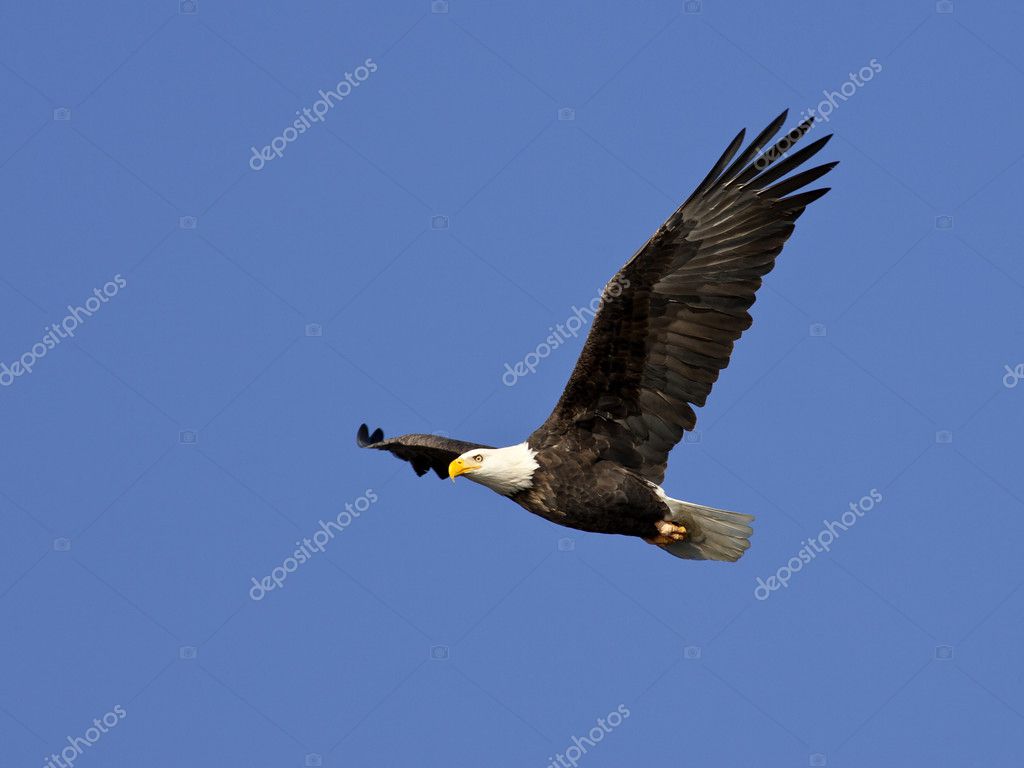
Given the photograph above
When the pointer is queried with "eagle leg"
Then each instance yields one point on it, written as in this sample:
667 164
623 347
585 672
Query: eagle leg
668 533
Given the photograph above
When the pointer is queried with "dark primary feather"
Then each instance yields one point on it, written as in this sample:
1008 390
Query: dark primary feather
657 347
424 452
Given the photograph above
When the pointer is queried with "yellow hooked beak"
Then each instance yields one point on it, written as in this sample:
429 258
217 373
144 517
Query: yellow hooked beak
460 467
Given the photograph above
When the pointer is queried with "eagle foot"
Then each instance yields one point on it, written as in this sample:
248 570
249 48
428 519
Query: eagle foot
668 533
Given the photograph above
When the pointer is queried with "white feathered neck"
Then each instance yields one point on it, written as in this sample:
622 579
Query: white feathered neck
505 470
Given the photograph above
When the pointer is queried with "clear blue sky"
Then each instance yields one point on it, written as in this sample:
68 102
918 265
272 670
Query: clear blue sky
433 219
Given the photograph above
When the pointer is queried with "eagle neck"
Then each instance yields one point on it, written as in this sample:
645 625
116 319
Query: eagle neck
509 470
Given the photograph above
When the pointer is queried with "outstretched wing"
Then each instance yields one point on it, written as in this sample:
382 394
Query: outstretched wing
424 452
671 315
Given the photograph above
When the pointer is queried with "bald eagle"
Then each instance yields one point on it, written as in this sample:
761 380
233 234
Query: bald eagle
665 329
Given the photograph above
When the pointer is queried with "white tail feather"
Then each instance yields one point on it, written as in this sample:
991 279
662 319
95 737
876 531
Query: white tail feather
715 534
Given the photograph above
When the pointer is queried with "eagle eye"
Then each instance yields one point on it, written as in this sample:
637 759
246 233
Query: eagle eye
478 458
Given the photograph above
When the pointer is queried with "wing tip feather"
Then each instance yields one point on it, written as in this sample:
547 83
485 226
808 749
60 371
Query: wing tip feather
364 439
756 159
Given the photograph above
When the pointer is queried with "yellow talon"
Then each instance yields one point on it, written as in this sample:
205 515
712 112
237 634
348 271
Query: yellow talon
668 533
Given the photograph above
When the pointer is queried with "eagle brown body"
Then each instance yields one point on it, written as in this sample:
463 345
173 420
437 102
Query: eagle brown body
577 488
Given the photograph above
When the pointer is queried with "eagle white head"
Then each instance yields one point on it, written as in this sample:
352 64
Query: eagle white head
503 470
